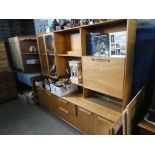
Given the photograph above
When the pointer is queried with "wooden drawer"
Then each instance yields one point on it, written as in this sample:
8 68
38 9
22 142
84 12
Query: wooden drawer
7 84
67 111
3 56
102 126
6 76
8 94
85 121
104 75
67 105
2 47
4 64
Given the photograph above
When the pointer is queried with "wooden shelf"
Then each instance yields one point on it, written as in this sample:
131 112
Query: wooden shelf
79 84
147 126
67 55
30 53
50 54
32 64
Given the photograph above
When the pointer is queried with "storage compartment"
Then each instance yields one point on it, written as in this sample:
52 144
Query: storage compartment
85 121
68 43
102 126
61 90
104 75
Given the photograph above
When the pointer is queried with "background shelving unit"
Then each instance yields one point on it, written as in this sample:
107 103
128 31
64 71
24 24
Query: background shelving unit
20 53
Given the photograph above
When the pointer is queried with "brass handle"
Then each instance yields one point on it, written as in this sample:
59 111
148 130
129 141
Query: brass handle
85 111
64 110
64 101
101 59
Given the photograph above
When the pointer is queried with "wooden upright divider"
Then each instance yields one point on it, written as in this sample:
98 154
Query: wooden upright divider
109 77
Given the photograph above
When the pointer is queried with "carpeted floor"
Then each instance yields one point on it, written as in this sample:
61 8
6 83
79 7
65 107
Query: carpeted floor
18 118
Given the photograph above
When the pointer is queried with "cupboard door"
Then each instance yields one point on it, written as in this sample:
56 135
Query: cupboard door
105 75
42 97
52 103
85 120
102 126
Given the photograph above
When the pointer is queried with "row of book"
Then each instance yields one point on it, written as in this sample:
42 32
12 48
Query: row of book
106 44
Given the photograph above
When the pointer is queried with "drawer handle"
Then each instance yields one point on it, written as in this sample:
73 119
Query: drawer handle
101 59
65 111
63 101
85 111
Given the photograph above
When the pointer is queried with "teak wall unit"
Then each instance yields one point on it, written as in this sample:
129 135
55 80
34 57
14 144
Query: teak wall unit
112 76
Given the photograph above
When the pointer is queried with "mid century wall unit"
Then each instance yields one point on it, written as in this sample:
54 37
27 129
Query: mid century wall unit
25 54
105 91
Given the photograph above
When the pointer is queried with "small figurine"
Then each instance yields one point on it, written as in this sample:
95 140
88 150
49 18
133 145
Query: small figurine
32 49
84 21
54 24
53 70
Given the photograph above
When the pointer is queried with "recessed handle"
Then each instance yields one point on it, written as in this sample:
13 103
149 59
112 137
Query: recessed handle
101 59
64 101
85 111
100 118
64 110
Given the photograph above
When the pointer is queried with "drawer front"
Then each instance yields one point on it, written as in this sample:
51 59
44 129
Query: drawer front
4 64
3 56
102 126
104 75
6 85
2 47
67 105
6 75
67 111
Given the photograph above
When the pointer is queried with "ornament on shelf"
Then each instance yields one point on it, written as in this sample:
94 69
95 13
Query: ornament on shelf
76 71
32 49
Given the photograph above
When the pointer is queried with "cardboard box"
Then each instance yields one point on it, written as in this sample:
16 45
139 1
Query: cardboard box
61 91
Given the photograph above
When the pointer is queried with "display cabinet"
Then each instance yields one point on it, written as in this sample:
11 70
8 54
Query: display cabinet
106 83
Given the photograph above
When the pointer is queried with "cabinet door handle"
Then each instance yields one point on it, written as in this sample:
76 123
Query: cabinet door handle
85 111
100 118
64 101
64 110
101 59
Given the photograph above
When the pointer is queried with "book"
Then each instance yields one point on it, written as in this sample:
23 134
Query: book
97 44
117 42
